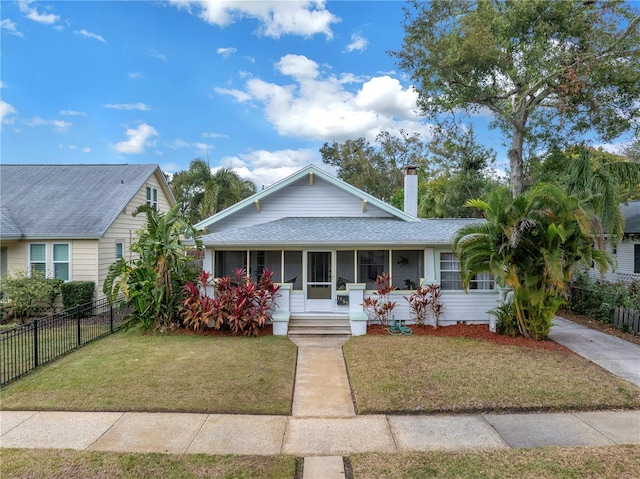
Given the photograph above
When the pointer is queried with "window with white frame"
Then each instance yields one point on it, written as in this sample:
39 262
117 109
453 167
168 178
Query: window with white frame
61 261
119 249
38 258
450 278
152 197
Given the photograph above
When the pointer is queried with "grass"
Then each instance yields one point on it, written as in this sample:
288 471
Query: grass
621 462
129 371
434 374
53 464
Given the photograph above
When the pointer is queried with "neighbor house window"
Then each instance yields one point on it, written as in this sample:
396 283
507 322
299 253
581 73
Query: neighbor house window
152 197
119 249
372 263
450 275
61 261
4 259
636 263
38 257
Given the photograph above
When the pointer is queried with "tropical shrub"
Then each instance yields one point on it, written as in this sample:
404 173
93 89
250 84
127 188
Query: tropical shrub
506 322
75 293
531 245
198 308
425 300
380 308
153 282
598 299
25 296
243 306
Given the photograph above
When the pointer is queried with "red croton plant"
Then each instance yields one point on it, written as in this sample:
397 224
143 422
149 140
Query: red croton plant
241 305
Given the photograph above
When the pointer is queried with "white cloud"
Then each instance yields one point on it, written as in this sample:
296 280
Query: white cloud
135 76
33 14
176 144
357 43
276 18
10 27
211 134
128 106
226 52
332 107
157 55
5 111
240 96
267 167
3 84
72 113
58 125
87 34
86 149
138 139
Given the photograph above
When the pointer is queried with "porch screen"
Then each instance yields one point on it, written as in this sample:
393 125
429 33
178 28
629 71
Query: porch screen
345 264
407 268
226 263
293 269
261 260
371 263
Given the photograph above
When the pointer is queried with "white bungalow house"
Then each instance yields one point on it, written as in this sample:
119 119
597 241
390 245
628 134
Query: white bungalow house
627 251
72 221
326 241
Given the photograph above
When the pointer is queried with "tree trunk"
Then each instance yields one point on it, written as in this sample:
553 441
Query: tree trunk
515 162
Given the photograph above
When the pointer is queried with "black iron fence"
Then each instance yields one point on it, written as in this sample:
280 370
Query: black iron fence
27 346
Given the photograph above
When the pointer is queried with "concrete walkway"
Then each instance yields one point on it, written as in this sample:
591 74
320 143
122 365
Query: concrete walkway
324 427
616 355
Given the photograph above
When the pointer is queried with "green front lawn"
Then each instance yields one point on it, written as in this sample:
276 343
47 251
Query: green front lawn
423 374
129 371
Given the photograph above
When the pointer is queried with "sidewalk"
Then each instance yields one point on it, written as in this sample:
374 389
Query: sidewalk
323 426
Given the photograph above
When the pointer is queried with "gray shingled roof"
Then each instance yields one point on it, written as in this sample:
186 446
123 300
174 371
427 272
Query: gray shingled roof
631 213
66 201
9 227
341 231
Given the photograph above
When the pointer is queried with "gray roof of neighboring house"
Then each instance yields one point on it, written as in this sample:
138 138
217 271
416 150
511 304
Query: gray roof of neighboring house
66 201
341 231
631 212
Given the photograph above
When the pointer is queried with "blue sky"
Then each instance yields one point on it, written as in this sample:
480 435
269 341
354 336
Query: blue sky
258 86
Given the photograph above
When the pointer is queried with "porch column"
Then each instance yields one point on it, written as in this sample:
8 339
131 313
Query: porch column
282 310
357 315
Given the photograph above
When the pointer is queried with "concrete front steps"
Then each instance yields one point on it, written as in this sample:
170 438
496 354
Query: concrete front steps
319 324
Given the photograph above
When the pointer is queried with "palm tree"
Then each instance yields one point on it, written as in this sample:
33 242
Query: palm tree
225 188
531 245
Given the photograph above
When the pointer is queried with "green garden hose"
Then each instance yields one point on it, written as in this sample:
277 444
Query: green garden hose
398 328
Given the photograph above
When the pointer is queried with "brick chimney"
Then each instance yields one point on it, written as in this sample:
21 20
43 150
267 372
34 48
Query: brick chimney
411 190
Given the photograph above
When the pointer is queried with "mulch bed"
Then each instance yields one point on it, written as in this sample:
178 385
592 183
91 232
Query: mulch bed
473 331
266 331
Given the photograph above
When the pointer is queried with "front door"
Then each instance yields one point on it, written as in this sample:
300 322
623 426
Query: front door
319 286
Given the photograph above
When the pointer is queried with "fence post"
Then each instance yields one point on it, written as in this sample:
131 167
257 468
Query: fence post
35 343
79 331
111 317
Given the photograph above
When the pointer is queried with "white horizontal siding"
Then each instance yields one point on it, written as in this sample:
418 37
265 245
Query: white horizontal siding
458 307
625 256
84 260
300 200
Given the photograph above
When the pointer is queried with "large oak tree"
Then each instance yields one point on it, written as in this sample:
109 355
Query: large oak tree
544 69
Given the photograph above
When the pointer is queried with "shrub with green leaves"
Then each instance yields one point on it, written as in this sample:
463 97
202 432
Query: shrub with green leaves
25 296
598 299
75 293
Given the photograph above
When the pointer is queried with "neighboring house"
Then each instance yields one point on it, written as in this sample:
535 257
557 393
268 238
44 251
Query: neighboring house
327 241
72 221
627 251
